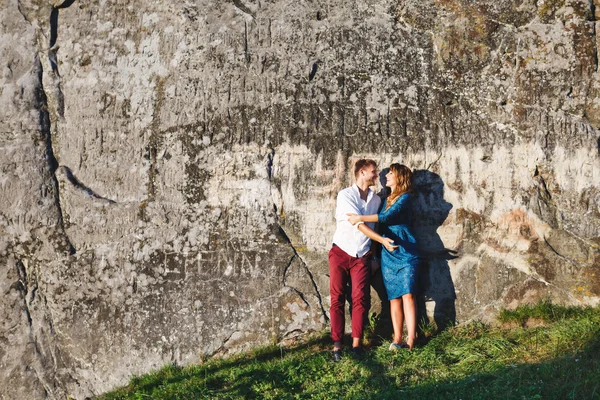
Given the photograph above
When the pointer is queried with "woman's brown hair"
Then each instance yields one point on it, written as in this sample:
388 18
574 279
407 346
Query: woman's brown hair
403 178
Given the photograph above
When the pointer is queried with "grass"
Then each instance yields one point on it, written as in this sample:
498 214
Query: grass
543 311
559 359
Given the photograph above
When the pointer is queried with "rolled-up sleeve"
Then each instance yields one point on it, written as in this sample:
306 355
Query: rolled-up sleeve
400 206
345 205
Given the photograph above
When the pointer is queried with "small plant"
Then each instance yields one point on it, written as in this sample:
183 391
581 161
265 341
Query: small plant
427 328
369 334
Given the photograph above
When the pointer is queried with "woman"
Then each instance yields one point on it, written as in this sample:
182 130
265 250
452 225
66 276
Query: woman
399 267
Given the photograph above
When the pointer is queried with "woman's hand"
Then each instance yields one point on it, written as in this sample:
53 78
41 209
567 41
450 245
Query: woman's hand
389 244
353 219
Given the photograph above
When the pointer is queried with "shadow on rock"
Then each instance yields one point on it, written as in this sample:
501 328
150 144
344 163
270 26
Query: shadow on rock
438 296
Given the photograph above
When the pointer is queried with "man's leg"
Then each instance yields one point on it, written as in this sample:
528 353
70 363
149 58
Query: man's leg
359 275
338 278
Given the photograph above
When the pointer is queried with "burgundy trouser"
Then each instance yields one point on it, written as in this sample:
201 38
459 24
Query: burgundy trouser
344 268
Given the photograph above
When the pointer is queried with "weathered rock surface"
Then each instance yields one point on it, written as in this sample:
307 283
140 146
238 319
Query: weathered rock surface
168 170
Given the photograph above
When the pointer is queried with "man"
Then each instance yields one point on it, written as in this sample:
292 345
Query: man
350 256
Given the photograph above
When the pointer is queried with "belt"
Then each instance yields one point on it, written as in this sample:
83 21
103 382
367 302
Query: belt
367 254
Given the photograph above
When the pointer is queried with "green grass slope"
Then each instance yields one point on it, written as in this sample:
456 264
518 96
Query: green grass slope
539 352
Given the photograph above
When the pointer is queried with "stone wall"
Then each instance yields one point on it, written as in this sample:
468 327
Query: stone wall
169 169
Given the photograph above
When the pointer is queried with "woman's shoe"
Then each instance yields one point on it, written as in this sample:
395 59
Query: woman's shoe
396 347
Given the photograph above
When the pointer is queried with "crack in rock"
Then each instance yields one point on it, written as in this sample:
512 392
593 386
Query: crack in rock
542 187
269 166
68 174
558 254
53 56
222 349
285 271
592 20
313 71
22 286
21 11
308 273
45 128
243 8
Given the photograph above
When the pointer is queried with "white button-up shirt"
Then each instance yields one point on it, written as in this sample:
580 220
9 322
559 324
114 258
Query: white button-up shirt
347 236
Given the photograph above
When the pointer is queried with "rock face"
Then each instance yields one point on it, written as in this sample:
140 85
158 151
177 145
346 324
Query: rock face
169 169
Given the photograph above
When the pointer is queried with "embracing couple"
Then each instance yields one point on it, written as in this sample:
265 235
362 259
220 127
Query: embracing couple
351 259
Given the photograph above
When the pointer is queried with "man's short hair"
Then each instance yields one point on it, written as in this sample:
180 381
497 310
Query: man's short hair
362 163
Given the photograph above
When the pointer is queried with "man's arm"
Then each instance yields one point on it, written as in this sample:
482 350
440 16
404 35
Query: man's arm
371 234
345 205
355 219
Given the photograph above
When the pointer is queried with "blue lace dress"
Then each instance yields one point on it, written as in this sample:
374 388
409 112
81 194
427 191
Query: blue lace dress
399 268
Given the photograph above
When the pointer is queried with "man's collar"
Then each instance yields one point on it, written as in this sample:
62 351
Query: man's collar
370 192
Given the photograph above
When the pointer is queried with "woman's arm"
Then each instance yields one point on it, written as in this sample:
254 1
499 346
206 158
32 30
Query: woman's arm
355 219
402 205
371 234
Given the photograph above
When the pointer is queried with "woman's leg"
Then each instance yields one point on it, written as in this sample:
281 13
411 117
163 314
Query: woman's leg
397 319
410 312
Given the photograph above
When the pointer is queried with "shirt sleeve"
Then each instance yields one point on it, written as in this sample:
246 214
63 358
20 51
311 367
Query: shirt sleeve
400 206
345 205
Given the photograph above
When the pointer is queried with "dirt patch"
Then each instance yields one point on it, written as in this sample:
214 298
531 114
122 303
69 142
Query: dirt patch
535 322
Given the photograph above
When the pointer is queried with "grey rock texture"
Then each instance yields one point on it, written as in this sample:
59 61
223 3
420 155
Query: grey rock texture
168 170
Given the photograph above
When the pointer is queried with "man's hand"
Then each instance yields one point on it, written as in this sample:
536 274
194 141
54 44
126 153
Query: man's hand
353 218
389 244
